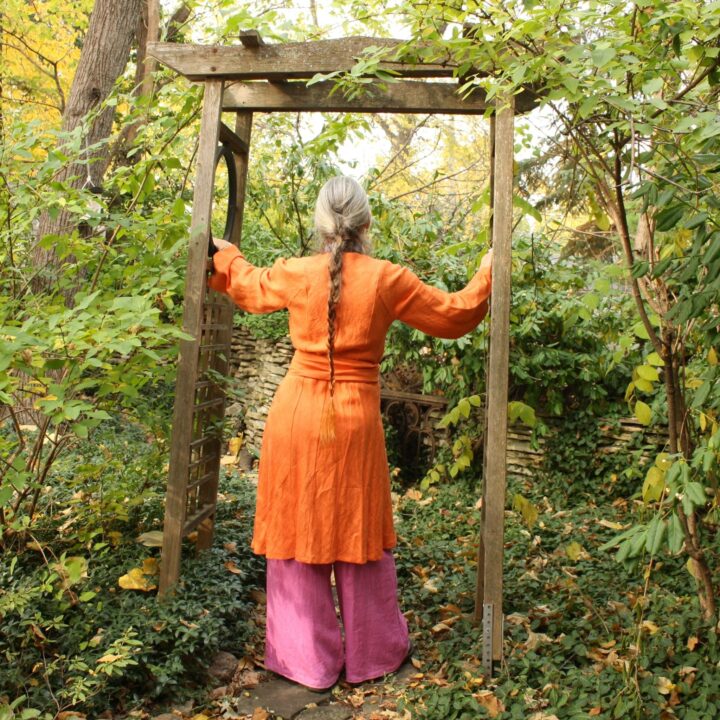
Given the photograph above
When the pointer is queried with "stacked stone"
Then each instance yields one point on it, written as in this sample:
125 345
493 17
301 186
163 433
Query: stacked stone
258 365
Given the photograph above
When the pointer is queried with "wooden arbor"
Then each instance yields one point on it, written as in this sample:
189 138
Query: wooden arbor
254 77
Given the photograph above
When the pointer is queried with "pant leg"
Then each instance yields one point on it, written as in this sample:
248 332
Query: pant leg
303 638
376 632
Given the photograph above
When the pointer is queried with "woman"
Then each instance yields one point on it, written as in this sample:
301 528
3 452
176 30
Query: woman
323 498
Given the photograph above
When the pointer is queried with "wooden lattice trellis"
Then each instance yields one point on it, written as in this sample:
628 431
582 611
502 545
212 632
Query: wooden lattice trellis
255 77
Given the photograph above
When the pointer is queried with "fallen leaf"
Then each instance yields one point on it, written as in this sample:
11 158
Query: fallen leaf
258 596
136 579
692 643
417 664
260 713
200 716
230 547
649 626
611 524
232 567
235 444
595 711
154 538
665 686
150 566
488 700
574 550
413 494
228 460
440 627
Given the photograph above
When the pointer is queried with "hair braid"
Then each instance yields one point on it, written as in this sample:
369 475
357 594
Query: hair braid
342 219
335 269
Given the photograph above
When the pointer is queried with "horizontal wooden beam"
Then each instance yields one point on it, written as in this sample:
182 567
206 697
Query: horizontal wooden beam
284 61
236 143
399 97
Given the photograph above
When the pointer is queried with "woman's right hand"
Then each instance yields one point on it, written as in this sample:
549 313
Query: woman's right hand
221 244
487 260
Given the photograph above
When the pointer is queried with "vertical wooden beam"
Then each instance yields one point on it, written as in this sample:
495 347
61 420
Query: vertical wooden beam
221 357
490 562
480 578
243 129
189 349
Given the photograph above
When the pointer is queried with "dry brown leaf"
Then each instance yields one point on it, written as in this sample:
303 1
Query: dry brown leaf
595 711
260 713
230 547
692 643
259 597
150 566
70 715
417 664
154 538
440 627
488 700
357 698
232 567
449 609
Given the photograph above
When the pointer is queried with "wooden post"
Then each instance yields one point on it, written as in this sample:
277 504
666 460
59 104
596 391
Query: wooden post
489 595
183 414
220 361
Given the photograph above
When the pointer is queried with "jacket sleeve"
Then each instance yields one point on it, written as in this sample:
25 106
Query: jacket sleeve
254 289
431 310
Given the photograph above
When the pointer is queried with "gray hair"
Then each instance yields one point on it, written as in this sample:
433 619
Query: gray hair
342 214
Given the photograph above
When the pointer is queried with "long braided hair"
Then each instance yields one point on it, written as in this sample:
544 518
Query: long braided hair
342 217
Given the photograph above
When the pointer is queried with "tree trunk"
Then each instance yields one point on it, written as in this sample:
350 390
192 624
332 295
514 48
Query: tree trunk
105 52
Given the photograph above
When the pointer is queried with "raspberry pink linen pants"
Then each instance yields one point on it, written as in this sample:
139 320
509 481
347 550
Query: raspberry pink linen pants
304 641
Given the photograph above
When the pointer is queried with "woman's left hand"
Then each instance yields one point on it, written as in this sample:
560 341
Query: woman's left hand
221 244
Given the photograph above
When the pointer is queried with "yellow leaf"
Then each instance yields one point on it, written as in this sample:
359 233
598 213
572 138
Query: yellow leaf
691 566
692 642
643 412
573 550
200 716
650 626
154 538
654 485
712 356
235 444
150 566
611 524
703 421
109 658
665 686
135 579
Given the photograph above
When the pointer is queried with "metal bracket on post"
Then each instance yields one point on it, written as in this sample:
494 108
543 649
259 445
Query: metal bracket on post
487 639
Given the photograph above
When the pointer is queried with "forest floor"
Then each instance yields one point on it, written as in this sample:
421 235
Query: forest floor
585 637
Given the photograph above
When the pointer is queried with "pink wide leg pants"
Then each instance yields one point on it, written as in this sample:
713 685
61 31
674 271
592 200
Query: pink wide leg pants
304 641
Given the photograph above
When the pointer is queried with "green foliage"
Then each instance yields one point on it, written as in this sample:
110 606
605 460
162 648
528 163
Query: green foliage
72 635
583 638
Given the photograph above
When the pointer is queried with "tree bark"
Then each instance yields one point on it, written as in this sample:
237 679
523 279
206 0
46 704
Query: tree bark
105 52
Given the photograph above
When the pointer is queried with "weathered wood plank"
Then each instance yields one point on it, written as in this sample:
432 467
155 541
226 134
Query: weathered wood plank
497 376
189 349
236 143
251 39
288 60
401 97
